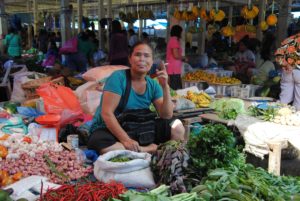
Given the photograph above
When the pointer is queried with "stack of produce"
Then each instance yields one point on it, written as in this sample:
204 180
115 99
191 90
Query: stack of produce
29 156
169 163
210 78
201 99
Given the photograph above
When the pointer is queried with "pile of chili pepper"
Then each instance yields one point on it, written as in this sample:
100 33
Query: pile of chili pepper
91 191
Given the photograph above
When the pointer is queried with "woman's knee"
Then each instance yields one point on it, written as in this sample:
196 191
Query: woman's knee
177 130
116 146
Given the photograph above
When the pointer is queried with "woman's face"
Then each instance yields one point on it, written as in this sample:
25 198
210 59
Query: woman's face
141 58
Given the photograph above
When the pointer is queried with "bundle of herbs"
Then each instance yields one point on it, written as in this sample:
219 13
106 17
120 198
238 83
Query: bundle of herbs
214 147
247 183
169 164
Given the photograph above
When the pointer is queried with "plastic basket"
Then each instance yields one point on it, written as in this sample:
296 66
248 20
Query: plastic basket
222 90
199 84
243 91
31 86
220 73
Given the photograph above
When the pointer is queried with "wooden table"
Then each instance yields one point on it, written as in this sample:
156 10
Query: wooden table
213 117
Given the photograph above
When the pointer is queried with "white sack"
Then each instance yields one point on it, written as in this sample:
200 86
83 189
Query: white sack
134 173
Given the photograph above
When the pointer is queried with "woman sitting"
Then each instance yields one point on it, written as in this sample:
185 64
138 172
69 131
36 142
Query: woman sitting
107 133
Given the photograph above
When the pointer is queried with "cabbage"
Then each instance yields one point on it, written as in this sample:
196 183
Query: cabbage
228 108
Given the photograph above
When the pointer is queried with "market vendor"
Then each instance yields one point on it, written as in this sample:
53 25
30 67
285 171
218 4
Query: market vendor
107 133
287 57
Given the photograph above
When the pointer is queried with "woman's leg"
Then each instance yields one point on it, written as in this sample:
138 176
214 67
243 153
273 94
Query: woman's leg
116 146
177 130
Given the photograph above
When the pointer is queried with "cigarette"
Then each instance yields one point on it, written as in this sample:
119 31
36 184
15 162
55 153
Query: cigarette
166 64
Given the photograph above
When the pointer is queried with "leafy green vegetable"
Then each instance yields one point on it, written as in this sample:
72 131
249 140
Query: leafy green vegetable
213 147
228 108
120 159
247 183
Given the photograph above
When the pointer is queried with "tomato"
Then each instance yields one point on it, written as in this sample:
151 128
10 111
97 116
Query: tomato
27 139
17 176
3 151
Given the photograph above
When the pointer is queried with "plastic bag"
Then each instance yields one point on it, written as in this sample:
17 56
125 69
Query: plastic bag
60 100
69 46
29 112
184 104
129 173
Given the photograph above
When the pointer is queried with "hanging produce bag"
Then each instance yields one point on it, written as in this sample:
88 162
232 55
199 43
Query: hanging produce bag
128 167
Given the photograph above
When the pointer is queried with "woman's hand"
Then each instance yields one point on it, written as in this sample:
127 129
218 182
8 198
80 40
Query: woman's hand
162 74
131 144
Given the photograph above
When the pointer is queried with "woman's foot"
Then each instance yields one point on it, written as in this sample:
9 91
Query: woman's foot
149 149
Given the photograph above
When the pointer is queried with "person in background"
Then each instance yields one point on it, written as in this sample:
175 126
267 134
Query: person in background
80 60
244 59
133 38
175 58
106 132
290 77
118 45
58 39
43 41
145 37
264 65
13 43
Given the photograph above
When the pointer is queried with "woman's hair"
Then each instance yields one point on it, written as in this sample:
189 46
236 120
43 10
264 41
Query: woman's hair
116 26
11 30
137 44
267 44
176 31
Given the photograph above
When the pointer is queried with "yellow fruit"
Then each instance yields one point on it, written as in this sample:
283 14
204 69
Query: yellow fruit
217 16
263 26
272 20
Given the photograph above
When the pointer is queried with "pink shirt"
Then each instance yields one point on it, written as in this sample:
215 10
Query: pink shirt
174 65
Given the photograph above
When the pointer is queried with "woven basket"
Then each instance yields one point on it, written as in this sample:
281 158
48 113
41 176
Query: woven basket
31 86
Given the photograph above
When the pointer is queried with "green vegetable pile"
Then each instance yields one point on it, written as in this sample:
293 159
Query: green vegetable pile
214 147
247 183
169 163
120 159
266 114
158 194
228 108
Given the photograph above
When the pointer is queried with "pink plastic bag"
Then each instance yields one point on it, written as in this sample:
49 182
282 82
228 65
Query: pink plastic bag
50 61
60 100
69 46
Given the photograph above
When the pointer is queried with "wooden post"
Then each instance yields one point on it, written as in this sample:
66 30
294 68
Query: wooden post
261 18
79 11
35 22
100 16
73 24
169 6
65 21
201 38
109 16
275 156
3 23
284 11
230 14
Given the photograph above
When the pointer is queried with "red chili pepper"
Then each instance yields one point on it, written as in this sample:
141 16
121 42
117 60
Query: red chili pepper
27 139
